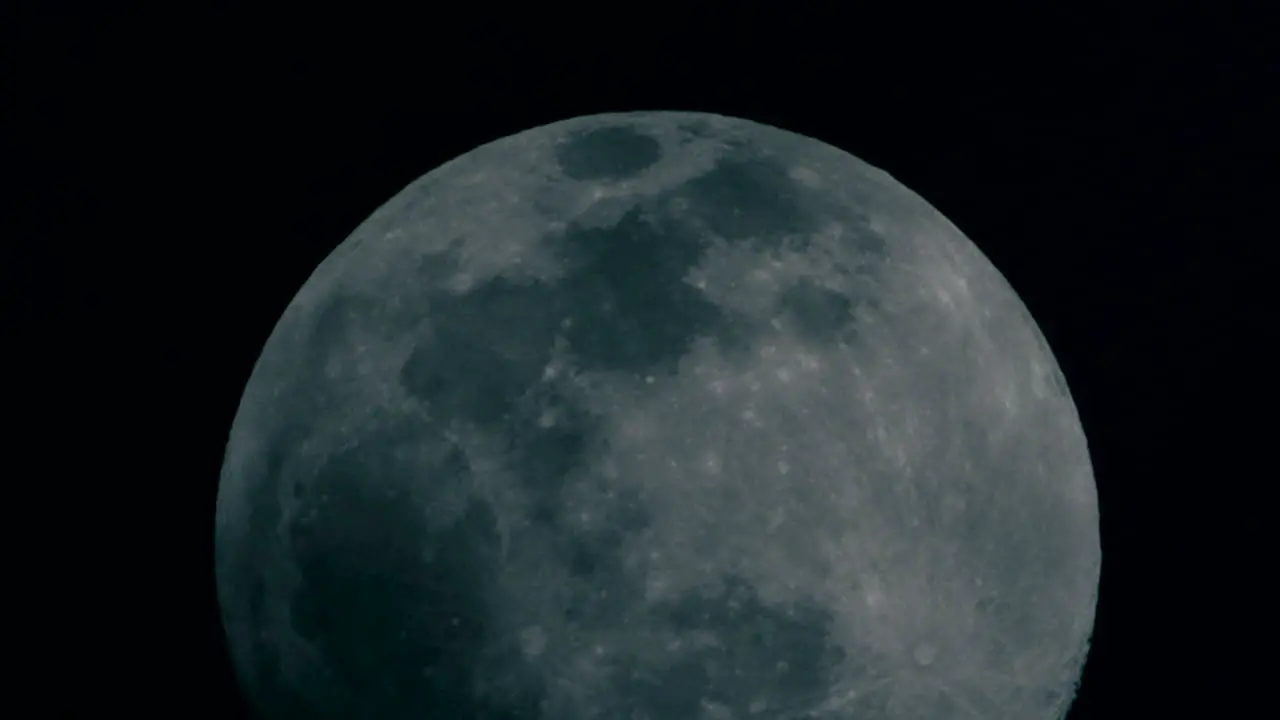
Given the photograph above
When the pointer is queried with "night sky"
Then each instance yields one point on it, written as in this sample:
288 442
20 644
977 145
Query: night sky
178 177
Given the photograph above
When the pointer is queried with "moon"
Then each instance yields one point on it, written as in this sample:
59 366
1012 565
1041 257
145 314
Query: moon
657 416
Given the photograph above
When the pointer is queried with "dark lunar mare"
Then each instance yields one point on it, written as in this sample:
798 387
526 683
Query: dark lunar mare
778 654
819 315
613 152
401 614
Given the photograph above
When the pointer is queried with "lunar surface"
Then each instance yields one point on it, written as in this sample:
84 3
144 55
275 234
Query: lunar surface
657 416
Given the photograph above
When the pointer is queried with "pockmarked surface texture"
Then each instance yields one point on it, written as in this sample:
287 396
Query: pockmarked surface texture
657 416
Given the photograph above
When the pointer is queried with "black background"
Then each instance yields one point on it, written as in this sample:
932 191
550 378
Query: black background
176 176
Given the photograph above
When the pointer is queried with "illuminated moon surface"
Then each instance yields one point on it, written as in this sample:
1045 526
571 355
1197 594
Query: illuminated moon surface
657 416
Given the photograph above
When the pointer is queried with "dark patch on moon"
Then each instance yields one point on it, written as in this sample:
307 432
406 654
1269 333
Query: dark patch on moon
752 197
624 303
333 329
615 152
623 292
544 457
397 611
248 553
596 555
817 314
482 351
755 652
435 269
631 309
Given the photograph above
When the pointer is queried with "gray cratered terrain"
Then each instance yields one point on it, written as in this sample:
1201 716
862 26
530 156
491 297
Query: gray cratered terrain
657 416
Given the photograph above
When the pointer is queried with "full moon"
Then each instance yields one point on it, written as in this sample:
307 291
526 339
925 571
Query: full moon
657 416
